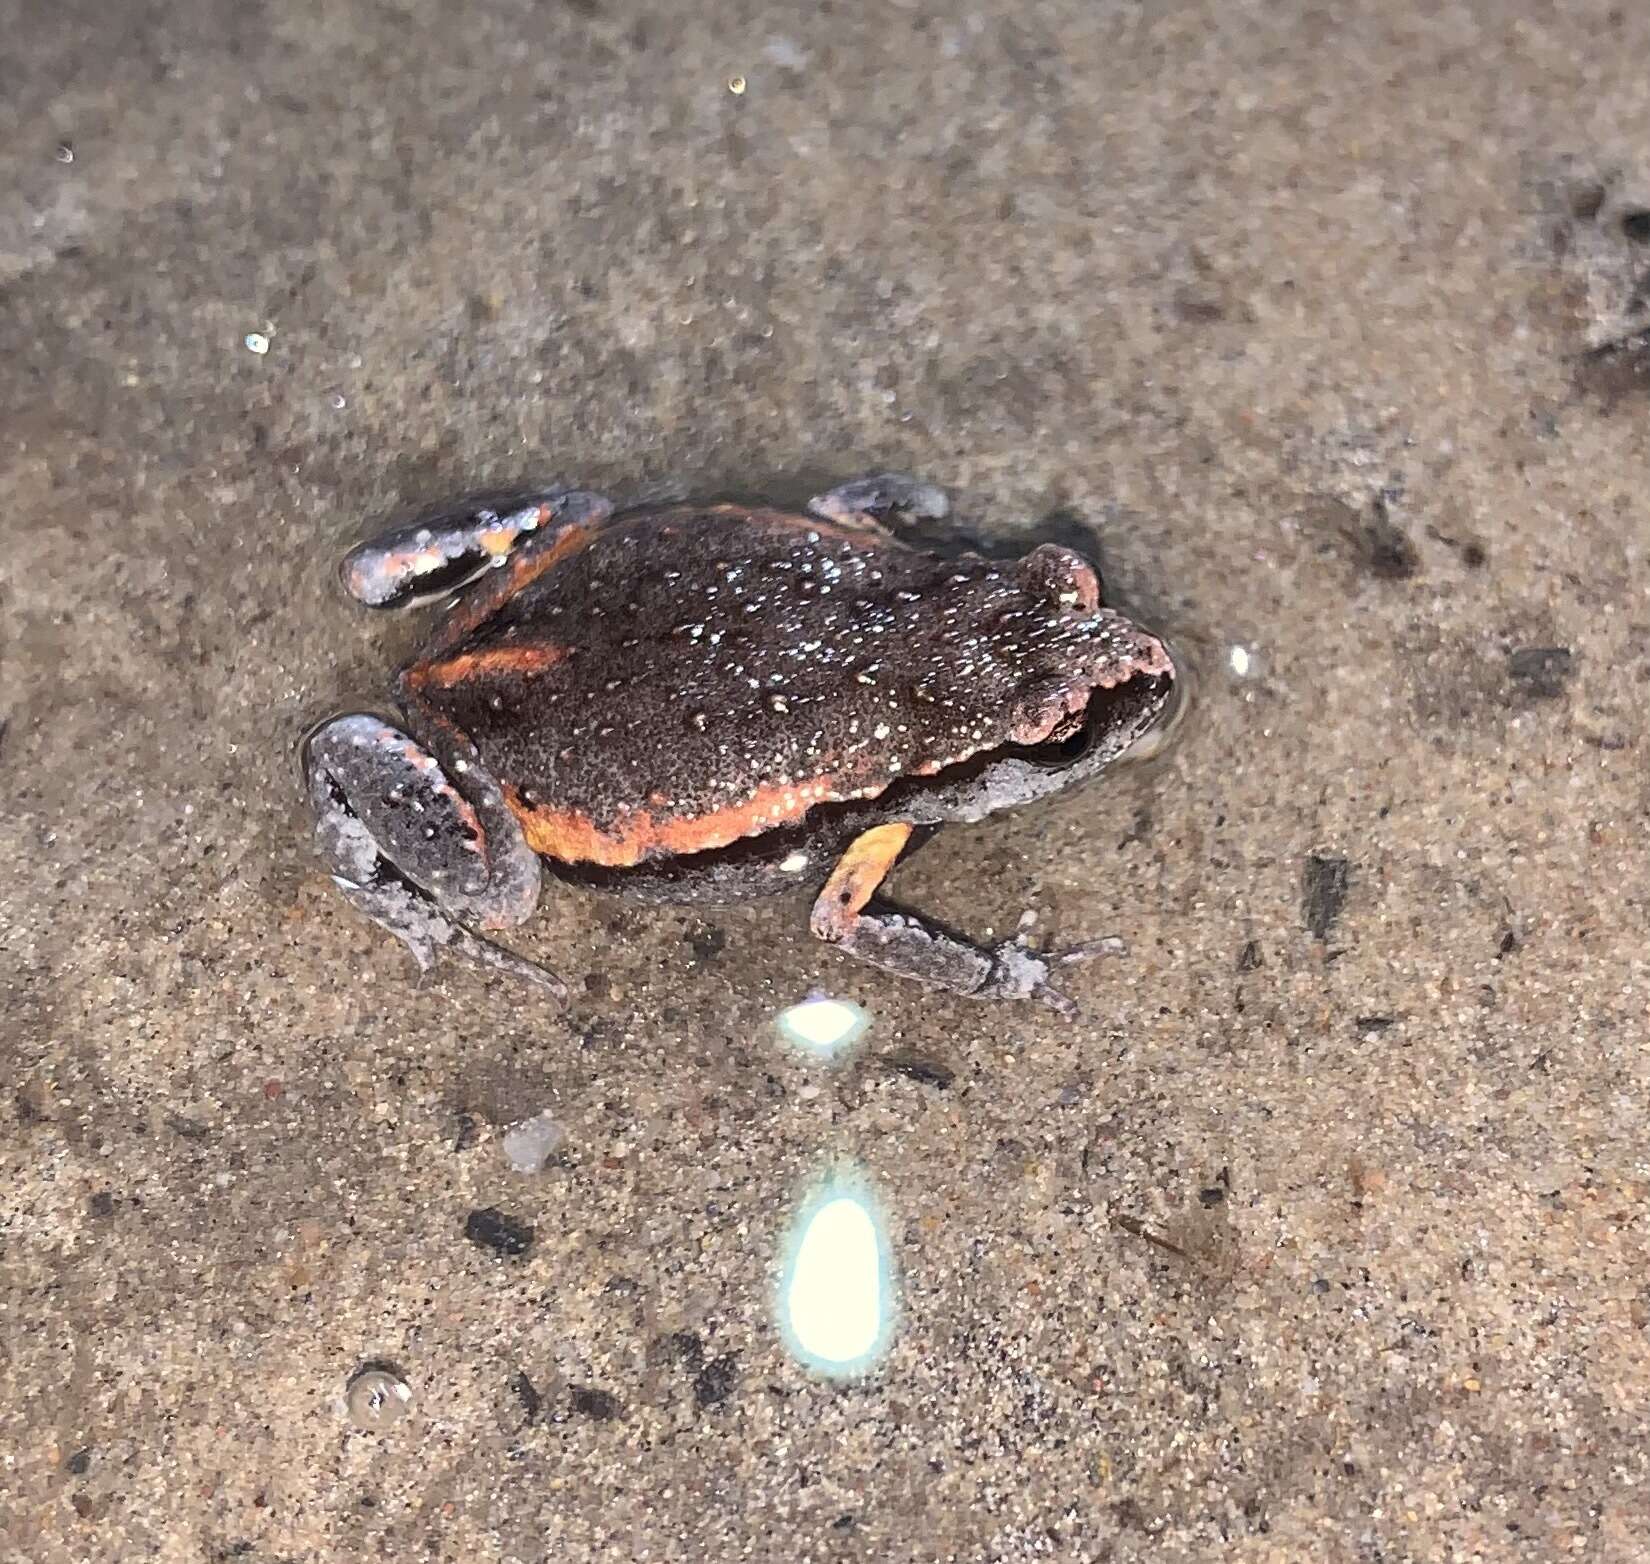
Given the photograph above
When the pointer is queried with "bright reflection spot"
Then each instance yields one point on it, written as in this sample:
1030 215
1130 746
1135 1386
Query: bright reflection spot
836 1293
1241 661
823 1026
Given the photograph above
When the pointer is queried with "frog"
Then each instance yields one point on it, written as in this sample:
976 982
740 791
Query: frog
703 703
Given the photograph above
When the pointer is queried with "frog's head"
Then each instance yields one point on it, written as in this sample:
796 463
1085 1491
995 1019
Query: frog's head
1109 683
1088 684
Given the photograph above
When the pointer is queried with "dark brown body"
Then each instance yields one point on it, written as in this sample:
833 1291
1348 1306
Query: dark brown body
685 679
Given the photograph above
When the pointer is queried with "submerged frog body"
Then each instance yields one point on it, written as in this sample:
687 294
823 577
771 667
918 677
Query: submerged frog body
711 702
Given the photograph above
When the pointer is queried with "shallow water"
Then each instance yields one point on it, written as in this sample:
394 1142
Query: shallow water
1316 1232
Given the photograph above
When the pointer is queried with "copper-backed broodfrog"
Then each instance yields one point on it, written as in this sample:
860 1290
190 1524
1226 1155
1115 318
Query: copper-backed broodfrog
702 703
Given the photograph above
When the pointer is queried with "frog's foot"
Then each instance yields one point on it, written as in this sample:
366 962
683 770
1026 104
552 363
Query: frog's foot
413 853
880 496
902 944
446 550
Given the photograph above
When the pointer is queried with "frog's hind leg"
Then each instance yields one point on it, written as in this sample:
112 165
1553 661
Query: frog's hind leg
879 497
905 945
446 550
413 853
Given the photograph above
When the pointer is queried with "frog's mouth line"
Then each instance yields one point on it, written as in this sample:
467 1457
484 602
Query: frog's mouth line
1131 708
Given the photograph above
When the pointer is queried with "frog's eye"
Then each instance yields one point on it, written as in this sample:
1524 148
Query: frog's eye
1075 745
1061 576
1070 742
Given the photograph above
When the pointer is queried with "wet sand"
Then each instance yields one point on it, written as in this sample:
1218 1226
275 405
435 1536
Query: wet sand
1320 1236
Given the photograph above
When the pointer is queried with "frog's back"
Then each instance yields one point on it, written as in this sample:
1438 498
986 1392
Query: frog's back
698 674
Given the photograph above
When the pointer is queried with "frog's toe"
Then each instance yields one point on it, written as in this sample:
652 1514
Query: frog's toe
1019 973
1111 945
1028 974
409 914
472 947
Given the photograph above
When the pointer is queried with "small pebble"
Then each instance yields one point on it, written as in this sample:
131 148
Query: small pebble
531 1143
597 1404
504 1235
376 1398
257 342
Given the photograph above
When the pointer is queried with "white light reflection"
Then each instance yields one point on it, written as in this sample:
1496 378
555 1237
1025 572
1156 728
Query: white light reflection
823 1026
836 1290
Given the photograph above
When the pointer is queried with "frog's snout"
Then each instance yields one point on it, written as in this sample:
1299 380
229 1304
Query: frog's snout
1177 703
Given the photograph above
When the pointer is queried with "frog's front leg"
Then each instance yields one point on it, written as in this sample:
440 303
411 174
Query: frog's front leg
414 853
903 944
445 551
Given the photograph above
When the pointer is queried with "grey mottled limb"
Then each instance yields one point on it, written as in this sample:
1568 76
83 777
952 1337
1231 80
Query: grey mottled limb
881 495
903 945
380 804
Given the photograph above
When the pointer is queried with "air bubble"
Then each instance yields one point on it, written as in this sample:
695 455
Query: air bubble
376 1397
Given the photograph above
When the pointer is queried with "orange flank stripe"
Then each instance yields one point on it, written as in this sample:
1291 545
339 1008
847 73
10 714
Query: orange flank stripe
527 657
570 836
635 834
